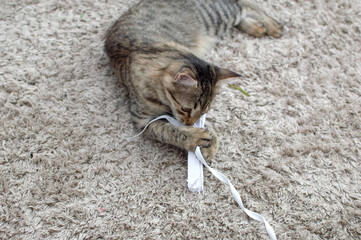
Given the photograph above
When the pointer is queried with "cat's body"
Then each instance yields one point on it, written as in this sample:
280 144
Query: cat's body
155 49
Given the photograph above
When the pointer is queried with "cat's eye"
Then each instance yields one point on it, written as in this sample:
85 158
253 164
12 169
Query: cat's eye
186 109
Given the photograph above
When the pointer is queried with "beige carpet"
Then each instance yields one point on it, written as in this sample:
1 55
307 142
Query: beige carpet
292 149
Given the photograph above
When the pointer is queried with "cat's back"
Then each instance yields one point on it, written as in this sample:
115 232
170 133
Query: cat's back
179 21
157 21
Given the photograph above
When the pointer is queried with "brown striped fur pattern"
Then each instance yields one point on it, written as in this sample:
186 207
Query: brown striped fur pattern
156 49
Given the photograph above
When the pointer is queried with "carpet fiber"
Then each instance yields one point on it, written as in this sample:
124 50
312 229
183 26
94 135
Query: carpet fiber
292 149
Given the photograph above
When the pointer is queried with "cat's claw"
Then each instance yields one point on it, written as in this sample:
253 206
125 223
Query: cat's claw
204 143
209 152
193 137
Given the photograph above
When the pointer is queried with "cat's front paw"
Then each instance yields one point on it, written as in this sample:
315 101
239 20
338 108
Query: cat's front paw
210 151
193 137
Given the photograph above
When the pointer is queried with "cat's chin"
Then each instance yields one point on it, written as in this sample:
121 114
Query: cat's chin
188 123
182 121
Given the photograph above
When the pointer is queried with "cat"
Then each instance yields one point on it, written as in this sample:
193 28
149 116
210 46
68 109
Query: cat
155 49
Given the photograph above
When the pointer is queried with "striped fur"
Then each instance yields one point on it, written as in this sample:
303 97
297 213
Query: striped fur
156 49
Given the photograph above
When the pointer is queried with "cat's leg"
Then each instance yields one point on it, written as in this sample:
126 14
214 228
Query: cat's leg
184 137
203 44
256 22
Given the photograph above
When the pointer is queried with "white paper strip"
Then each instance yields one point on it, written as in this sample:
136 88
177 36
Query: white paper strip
236 195
220 176
195 167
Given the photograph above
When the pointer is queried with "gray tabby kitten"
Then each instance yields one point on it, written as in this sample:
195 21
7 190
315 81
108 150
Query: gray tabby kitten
155 49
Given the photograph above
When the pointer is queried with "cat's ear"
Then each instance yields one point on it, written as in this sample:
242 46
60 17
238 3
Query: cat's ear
225 74
185 80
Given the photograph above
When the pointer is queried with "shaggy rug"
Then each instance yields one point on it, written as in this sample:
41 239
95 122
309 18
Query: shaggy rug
291 149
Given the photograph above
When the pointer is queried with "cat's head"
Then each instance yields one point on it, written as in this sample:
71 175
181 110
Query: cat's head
192 88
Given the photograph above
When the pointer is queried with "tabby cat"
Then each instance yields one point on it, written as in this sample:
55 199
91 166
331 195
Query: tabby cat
156 49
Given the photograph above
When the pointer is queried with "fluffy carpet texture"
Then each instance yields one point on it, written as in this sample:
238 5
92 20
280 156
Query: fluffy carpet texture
292 149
